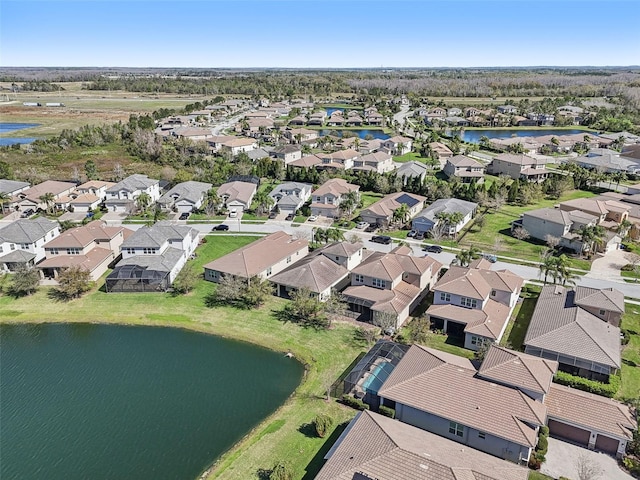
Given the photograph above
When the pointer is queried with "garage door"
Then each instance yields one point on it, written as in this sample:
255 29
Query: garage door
607 444
569 432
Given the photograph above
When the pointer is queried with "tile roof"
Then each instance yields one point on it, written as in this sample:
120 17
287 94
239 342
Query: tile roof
447 205
558 325
411 169
27 231
488 322
256 257
464 161
518 159
315 272
335 187
237 191
468 282
606 299
17 256
378 447
84 235
554 215
518 369
89 261
159 263
343 249
447 386
591 411
156 235
389 203
49 186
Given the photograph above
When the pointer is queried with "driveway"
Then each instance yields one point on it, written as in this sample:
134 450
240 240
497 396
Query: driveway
562 458
607 267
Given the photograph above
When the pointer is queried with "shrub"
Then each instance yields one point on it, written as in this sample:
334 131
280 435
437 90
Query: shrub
281 471
386 411
353 402
542 446
544 430
631 464
592 386
627 268
322 423
534 463
625 337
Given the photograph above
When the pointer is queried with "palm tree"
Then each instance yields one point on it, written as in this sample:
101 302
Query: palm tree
618 177
623 228
48 199
335 235
465 257
349 202
548 267
592 237
562 272
401 214
143 201
212 202
263 201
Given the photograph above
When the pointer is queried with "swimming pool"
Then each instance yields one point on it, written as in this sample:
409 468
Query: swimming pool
377 377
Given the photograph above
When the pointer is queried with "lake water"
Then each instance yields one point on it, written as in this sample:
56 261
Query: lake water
473 136
361 132
83 401
12 127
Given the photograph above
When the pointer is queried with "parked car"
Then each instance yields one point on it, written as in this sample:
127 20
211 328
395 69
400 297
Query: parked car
313 218
385 240
290 217
433 249
362 225
371 228
222 227
491 258
273 214
184 215
411 234
27 213
90 214
419 236
233 213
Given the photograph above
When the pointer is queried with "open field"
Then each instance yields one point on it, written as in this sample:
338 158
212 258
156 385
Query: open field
631 354
281 436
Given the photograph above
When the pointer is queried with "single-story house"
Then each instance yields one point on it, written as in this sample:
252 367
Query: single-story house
185 196
427 219
381 212
238 195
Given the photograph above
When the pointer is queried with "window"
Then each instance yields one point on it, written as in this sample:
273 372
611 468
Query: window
130 251
378 283
445 297
13 246
359 278
150 250
481 435
477 341
468 302
0 248
456 429
289 259
54 251
25 246
73 251
601 312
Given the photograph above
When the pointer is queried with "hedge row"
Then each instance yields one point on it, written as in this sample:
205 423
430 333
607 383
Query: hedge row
353 402
591 386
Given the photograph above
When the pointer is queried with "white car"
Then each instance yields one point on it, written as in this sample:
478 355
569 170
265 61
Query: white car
362 225
313 218
233 213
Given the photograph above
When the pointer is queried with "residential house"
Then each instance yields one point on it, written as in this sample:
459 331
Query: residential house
92 247
563 328
317 118
375 118
457 121
474 303
152 258
380 213
31 198
370 146
507 109
308 161
375 446
354 120
263 258
398 145
379 162
256 127
288 153
390 285
454 112
336 119
441 151
237 145
466 169
121 197
323 271
237 195
290 196
519 167
22 242
340 160
13 187
327 198
185 196
299 120
194 134
299 135
97 188
257 154
541 119
427 219
442 393
609 161
410 170
610 213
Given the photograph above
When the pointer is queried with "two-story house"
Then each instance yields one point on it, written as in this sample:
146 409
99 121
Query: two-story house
121 197
441 152
340 160
381 212
398 145
437 217
22 242
33 198
290 196
93 247
288 153
466 169
390 285
474 303
185 196
379 162
519 167
507 109
89 195
326 199
263 258
152 258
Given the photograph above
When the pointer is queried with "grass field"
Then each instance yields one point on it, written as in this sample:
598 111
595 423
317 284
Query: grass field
281 436
631 354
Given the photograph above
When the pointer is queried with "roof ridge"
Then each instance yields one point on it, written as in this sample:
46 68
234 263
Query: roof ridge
530 402
577 322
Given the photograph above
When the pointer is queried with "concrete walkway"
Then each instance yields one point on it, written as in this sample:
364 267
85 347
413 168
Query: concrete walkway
562 458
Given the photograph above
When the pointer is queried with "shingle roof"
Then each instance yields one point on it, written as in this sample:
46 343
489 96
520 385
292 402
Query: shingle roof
190 191
133 183
558 325
378 447
17 256
159 263
258 256
27 231
447 205
447 386
411 169
464 161
156 235
591 411
237 191
554 215
518 369
488 322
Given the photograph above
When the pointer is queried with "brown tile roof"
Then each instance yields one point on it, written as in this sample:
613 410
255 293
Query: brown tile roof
344 154
89 262
503 280
488 322
258 256
376 157
80 237
95 184
464 161
84 198
464 281
382 300
238 142
336 187
518 369
387 205
343 249
591 411
306 161
240 191
390 266
606 299
448 387
399 139
558 325
378 447
48 186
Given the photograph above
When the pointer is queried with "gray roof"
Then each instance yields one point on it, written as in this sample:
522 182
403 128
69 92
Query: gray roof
290 186
558 325
554 215
10 186
159 263
610 161
257 154
17 256
292 200
133 183
190 191
373 446
447 205
411 169
27 231
156 235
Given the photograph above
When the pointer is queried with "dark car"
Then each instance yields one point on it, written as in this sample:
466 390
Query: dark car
381 239
273 214
27 213
290 217
184 215
433 249
222 226
371 228
419 236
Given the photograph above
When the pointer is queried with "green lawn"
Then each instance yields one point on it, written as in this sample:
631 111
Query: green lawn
533 475
411 156
369 198
519 323
631 354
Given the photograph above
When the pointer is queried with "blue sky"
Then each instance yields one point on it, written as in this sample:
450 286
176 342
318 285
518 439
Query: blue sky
310 33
